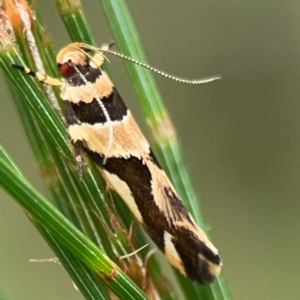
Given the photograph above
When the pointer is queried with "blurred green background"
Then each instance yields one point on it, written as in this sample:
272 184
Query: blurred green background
240 137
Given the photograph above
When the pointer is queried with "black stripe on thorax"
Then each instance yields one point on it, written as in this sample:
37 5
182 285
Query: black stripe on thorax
90 74
92 113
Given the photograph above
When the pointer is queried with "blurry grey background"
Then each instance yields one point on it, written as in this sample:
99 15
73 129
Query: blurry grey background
240 137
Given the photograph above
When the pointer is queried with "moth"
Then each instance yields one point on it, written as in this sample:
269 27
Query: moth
100 123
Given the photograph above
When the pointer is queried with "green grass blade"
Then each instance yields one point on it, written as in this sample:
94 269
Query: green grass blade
86 281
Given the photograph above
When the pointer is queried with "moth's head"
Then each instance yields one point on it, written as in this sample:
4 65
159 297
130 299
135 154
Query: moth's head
71 55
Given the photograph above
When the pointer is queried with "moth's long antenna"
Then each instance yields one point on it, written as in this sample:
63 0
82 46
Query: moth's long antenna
106 49
159 72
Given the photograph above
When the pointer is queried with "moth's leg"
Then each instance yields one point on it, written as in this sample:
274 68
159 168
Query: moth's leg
44 78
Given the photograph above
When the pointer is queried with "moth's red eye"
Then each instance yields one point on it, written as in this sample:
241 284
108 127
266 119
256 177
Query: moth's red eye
66 70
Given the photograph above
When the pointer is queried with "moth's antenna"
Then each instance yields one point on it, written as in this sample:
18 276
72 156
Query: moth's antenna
159 72
106 49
